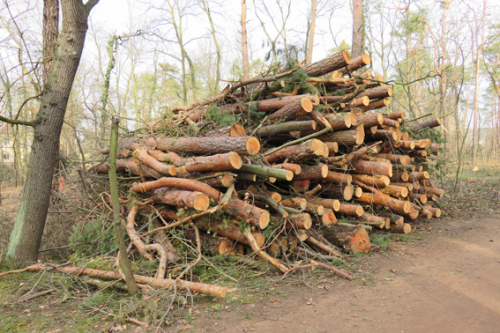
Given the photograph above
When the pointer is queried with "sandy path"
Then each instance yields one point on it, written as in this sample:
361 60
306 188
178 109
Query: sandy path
449 281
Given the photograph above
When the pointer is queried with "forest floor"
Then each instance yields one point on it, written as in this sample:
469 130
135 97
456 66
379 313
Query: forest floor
443 277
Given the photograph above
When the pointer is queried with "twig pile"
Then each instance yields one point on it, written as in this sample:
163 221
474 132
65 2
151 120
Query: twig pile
305 148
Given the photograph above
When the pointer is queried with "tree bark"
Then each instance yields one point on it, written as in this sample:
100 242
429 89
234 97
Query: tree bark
297 108
50 34
113 184
243 145
357 29
357 63
287 127
26 236
312 26
244 42
328 64
373 168
304 151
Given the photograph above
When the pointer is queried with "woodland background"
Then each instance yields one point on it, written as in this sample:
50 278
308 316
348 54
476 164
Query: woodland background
443 58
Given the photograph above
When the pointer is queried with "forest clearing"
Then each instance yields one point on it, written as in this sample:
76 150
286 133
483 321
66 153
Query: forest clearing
205 204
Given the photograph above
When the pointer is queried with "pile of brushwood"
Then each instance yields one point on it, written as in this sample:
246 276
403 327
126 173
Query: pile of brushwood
299 166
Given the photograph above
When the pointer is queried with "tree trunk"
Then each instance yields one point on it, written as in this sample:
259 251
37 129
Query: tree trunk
113 184
297 108
243 145
328 64
287 127
50 34
338 178
357 29
184 199
319 171
373 168
304 151
377 93
244 39
311 32
26 236
357 63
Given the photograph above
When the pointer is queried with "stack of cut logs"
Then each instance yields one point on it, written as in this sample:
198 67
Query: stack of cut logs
320 168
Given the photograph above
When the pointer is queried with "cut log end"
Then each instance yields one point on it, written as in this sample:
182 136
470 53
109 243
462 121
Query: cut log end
306 104
225 247
172 170
227 180
360 211
236 161
407 207
360 241
264 220
366 59
347 57
289 175
324 171
201 202
360 138
348 192
348 120
336 205
253 146
317 147
237 130
358 192
259 238
403 228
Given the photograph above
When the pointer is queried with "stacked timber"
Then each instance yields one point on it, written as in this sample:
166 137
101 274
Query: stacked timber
311 155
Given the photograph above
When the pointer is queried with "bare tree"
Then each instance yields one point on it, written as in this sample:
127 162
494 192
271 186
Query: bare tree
311 29
478 45
244 42
26 236
357 29
204 5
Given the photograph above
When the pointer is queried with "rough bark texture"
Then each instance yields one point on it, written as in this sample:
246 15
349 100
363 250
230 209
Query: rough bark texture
243 145
234 130
187 184
373 180
377 93
184 199
297 108
287 127
344 138
328 64
338 178
246 72
333 204
380 199
311 32
357 29
374 168
356 63
50 34
369 120
26 236
304 151
319 171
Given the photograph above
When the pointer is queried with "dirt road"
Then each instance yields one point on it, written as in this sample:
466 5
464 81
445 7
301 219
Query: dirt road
448 281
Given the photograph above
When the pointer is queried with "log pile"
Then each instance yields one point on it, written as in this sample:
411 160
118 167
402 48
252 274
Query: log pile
311 164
